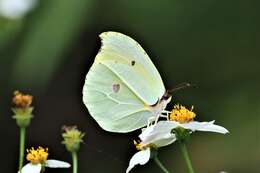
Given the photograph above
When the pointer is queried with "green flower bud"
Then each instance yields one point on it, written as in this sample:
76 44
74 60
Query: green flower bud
181 133
72 138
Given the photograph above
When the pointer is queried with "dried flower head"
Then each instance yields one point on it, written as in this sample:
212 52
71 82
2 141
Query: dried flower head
22 108
21 100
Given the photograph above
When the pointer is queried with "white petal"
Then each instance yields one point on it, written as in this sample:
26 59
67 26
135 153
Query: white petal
31 168
57 164
141 157
165 141
159 134
204 126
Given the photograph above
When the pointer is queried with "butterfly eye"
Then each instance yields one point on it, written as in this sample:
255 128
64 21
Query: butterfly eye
166 96
132 63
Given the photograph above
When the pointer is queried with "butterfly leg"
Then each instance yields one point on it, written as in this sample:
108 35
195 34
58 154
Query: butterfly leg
161 115
167 114
156 119
150 121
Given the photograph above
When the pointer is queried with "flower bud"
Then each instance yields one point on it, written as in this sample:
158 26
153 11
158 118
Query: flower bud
72 138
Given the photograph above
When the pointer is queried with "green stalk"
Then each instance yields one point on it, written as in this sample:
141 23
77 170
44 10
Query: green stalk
74 161
186 156
22 142
158 162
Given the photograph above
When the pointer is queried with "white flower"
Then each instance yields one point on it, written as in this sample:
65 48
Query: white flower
161 134
38 160
15 9
179 117
182 117
36 168
157 138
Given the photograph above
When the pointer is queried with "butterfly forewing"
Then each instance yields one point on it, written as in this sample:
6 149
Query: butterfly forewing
128 59
121 84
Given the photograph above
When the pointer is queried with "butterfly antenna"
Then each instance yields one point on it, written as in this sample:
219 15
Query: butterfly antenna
181 86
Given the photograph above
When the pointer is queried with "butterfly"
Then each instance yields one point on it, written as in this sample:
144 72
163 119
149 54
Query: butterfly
123 90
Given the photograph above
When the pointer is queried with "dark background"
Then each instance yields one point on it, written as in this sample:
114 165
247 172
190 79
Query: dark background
212 43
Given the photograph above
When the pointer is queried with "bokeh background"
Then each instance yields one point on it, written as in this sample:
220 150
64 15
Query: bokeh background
214 44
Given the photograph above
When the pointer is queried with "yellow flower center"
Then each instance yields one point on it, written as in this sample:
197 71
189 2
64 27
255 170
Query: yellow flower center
181 114
39 155
140 146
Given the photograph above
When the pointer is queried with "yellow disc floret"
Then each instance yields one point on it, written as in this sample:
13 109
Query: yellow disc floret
181 114
38 155
141 146
138 145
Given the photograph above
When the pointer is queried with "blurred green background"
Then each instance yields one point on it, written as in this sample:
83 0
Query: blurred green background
213 44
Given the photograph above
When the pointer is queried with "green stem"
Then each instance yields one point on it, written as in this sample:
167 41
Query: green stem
158 162
74 162
22 142
186 156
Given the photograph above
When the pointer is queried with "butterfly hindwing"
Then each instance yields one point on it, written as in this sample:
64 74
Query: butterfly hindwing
112 108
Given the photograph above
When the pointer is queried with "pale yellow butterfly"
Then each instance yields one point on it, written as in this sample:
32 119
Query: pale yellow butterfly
123 88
